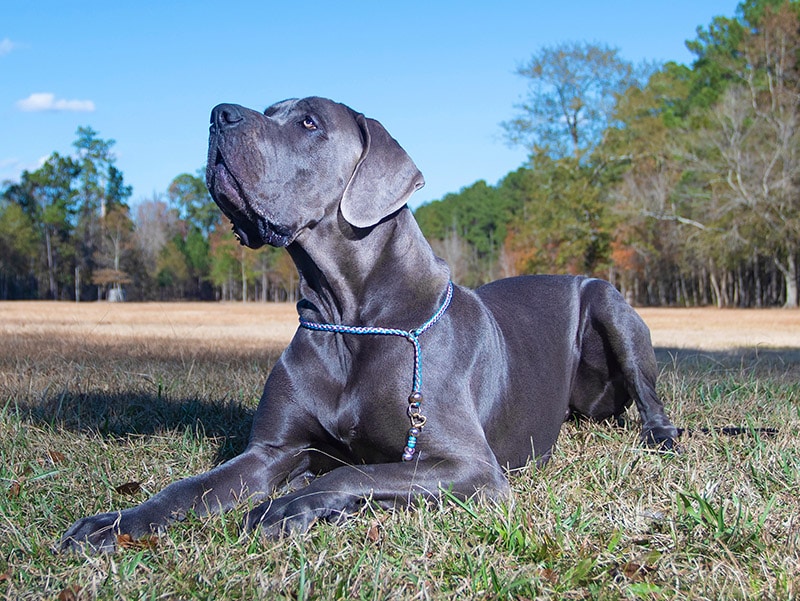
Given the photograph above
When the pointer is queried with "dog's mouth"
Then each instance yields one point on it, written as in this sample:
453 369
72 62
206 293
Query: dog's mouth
251 229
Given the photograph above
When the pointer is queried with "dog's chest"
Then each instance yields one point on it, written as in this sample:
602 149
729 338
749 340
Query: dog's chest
367 431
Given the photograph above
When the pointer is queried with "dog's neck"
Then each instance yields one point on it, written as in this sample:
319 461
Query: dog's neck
386 275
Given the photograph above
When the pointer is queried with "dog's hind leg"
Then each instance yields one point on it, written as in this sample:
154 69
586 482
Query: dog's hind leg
618 363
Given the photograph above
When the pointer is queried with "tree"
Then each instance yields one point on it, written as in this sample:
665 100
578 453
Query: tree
571 95
47 196
225 260
188 193
100 189
17 246
716 49
748 149
283 275
197 251
155 224
189 196
467 229
96 159
773 83
458 255
117 240
56 199
641 150
172 275
564 224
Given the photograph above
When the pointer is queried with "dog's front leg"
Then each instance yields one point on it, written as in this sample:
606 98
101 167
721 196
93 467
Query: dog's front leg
253 474
344 490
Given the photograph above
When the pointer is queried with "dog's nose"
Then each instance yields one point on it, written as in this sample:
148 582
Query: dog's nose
226 115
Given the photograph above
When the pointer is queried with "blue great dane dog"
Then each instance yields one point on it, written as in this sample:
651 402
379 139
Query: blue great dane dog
397 384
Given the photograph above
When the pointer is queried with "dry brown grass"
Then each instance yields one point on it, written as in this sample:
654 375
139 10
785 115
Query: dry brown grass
256 325
720 329
229 325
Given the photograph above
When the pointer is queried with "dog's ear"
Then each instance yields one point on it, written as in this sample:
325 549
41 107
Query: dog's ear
383 180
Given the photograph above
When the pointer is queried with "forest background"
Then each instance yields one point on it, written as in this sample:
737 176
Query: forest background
680 184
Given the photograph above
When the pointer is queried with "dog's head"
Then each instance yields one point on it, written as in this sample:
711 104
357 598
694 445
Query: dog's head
279 173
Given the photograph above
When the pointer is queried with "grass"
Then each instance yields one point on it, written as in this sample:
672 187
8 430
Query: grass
605 519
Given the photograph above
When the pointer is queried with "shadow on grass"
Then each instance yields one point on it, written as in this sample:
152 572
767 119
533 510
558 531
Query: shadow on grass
118 390
122 414
757 361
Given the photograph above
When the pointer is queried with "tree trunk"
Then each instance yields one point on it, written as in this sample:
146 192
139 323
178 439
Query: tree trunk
51 268
759 302
789 272
715 289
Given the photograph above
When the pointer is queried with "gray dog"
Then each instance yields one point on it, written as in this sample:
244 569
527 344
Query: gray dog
346 406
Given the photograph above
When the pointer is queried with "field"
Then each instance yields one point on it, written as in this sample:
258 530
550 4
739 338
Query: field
102 405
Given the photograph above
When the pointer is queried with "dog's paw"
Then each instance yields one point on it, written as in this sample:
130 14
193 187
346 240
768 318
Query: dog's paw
288 516
279 518
661 438
95 534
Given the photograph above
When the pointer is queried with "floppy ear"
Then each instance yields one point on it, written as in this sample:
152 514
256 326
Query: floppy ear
383 180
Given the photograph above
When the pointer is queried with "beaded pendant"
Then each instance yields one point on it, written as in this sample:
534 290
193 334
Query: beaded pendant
417 422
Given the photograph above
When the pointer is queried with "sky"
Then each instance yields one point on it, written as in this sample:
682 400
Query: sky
439 75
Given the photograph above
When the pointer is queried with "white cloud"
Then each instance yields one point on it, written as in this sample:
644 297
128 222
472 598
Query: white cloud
46 101
6 46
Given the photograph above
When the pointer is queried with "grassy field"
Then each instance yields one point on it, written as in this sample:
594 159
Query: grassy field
96 396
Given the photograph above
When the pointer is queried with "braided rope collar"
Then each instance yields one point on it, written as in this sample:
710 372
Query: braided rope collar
415 398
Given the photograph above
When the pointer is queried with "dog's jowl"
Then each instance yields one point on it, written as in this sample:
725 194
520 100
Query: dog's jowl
397 383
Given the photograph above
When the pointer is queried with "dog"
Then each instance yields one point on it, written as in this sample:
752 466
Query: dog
398 384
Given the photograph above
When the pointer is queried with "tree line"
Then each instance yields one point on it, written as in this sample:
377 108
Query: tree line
67 232
680 184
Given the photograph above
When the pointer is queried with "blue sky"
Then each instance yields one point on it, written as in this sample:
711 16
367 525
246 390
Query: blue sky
439 75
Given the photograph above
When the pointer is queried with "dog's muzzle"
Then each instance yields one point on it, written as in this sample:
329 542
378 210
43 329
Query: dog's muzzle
251 229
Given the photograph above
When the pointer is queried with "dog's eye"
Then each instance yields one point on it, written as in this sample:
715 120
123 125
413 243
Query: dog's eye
309 124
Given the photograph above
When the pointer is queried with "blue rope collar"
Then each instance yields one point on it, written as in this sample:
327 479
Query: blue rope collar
415 398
